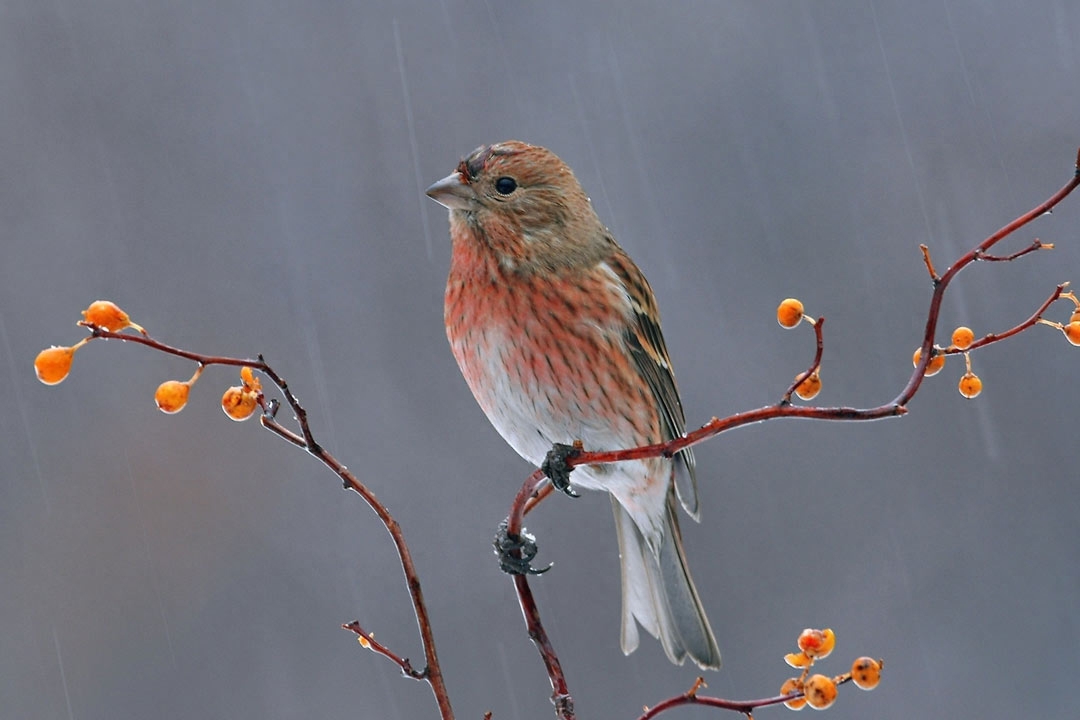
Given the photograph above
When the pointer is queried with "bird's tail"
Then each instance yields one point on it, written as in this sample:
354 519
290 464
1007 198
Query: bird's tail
658 592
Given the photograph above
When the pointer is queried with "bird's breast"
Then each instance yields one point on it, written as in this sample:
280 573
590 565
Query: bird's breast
546 358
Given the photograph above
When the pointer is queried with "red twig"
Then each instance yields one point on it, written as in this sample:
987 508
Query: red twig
368 641
741 706
1036 244
560 693
1033 319
814 366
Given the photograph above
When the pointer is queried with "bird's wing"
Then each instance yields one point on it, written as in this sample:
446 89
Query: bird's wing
646 343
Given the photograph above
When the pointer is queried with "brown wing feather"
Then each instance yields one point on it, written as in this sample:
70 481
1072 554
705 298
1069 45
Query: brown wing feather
646 342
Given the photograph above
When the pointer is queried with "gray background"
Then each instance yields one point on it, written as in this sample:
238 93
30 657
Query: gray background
247 177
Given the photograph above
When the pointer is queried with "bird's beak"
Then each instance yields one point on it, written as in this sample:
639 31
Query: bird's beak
453 192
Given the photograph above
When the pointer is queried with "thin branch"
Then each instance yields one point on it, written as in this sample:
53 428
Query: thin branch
929 263
1033 319
740 706
368 641
560 693
814 366
1037 244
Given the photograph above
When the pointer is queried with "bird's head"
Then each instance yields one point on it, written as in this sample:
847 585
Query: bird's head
524 202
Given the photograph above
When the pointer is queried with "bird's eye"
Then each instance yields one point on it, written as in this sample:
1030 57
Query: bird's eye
505 185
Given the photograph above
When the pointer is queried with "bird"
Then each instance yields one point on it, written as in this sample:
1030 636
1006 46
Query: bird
557 334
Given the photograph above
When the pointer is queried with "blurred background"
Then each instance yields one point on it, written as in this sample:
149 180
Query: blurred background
245 177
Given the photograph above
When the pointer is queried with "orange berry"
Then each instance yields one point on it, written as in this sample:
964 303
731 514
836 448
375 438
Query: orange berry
933 367
817 644
53 364
798 660
108 316
866 673
247 376
792 685
172 396
830 641
809 388
1075 317
1072 331
970 385
238 403
790 313
962 337
820 691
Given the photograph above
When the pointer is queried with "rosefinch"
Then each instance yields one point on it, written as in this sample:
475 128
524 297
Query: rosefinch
558 336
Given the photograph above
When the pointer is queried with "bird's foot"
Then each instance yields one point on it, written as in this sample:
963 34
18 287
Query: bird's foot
556 468
515 552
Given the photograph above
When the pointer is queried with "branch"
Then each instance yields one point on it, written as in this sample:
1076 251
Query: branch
368 641
746 707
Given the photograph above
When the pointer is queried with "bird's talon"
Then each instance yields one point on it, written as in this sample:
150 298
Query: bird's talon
557 469
515 552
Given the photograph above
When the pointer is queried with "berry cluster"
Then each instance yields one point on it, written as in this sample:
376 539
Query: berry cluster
820 691
53 364
807 385
970 385
963 342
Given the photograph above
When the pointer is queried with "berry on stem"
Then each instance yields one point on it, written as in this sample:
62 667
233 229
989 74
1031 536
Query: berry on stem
798 660
790 313
962 337
817 644
239 401
866 673
820 691
809 388
107 315
1072 330
937 362
172 395
53 364
970 385
792 685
